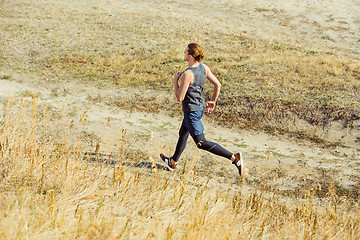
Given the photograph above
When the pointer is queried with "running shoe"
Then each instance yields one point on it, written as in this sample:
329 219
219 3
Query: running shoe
170 164
239 163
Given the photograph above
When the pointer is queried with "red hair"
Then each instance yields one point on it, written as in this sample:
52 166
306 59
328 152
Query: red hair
196 51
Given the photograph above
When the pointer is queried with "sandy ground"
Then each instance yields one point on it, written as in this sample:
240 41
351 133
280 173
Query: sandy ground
284 164
324 23
329 24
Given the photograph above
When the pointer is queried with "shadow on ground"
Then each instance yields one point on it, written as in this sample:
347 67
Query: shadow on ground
109 159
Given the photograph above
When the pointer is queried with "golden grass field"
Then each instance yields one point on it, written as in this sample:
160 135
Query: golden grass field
95 77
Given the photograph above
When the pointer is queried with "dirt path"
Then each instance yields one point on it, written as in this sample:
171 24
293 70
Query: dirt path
283 164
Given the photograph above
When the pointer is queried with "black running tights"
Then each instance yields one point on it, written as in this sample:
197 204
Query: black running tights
200 142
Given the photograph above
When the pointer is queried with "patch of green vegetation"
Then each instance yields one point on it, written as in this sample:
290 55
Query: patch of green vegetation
278 154
143 136
163 127
129 123
167 124
312 52
73 112
6 77
145 121
220 139
241 145
260 156
90 138
220 59
262 10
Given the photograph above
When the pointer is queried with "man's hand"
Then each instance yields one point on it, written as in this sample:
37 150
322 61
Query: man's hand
210 106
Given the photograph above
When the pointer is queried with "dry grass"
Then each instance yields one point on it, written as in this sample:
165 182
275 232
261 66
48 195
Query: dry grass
48 190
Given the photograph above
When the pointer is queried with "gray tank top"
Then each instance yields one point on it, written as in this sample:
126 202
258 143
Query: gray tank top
193 100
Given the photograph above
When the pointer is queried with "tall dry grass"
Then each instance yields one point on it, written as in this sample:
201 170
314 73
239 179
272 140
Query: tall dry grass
48 190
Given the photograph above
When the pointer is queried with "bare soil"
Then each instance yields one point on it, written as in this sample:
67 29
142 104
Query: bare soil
279 163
